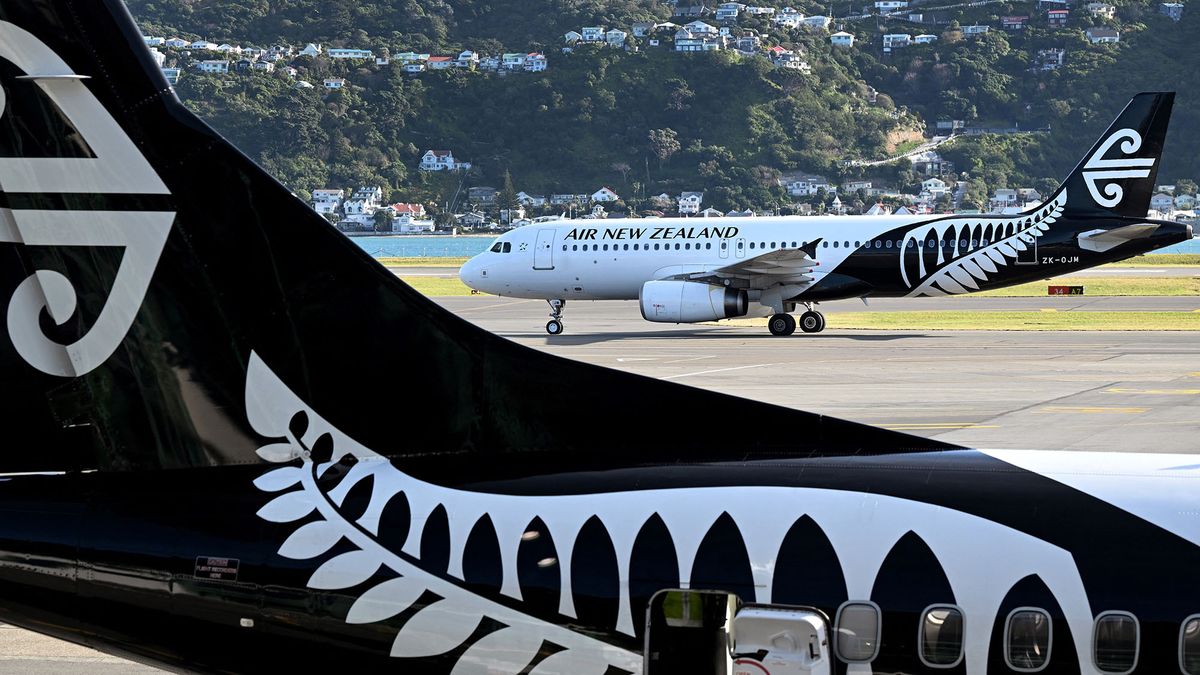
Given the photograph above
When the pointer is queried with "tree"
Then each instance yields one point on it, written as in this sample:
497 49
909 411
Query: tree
664 143
622 168
507 197
383 219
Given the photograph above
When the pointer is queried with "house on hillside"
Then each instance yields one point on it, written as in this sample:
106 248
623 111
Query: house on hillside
327 200
202 46
441 160
531 200
686 41
335 82
1102 35
571 37
896 40
1014 23
816 22
441 62
884 6
154 41
265 67
1162 202
808 185
311 49
213 66
689 202
842 39
175 43
748 44
934 186
615 38
411 210
467 59
977 29
641 28
1174 10
604 194
930 163
351 54
414 67
1102 10
1049 59
788 18
924 39
760 11
593 33
535 62
701 28
1185 202
483 194
689 11
728 11
1057 18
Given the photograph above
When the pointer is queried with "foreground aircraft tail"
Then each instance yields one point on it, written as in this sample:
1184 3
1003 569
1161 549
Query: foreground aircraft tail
147 264
1117 176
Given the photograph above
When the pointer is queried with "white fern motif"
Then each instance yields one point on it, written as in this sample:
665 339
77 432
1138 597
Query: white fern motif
861 528
972 260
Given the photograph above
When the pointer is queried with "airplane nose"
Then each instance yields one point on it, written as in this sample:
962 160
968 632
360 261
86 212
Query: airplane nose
471 273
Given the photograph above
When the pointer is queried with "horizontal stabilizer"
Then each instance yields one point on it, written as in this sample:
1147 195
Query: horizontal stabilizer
1105 240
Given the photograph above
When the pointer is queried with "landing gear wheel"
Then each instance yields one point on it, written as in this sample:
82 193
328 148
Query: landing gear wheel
782 324
554 327
812 322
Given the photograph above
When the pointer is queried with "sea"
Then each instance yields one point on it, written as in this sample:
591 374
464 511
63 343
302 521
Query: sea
464 247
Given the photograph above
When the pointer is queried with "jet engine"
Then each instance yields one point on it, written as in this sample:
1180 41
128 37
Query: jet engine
690 301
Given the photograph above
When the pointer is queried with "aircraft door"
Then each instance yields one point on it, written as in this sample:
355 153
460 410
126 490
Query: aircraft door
739 248
780 640
543 250
1029 256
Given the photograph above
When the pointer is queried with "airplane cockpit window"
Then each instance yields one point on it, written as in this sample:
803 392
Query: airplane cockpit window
856 632
1189 645
1027 640
942 636
1115 642
496 247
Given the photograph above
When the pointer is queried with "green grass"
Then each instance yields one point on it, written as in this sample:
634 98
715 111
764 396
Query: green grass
1093 286
1041 320
1160 260
437 286
422 262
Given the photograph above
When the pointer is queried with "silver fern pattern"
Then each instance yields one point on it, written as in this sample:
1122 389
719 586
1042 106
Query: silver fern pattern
862 529
976 248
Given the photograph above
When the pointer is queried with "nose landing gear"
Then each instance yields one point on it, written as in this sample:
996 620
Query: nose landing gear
554 326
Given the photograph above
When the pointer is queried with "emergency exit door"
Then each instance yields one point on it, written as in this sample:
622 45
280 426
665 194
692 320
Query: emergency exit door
1029 256
543 250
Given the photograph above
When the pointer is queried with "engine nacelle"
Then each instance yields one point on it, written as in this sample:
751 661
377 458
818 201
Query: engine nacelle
690 301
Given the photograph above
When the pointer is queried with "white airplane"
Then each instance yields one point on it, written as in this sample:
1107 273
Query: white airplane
686 270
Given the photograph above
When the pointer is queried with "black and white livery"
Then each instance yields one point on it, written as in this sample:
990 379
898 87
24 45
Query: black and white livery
203 470
685 270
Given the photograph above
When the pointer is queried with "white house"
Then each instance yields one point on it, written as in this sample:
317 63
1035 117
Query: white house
788 17
615 38
934 186
535 62
1185 202
441 160
227 48
641 28
728 11
977 29
263 66
593 33
701 28
710 212
1003 199
326 200
894 40
924 39
335 82
689 202
202 46
441 62
1174 10
215 66
531 200
414 67
1162 202
311 49
686 41
176 43
882 6
351 54
806 186
160 59
571 37
467 59
816 22
1102 10
842 39
154 41
1103 35
604 194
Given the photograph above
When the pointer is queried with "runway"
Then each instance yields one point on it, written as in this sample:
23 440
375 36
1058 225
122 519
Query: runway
1102 391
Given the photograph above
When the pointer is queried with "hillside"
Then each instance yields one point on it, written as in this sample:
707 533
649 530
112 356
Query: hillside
648 121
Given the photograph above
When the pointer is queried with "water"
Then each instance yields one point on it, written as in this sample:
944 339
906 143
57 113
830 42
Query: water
465 247
423 247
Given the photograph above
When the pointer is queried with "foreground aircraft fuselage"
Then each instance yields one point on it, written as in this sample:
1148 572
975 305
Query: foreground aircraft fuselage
705 269
203 469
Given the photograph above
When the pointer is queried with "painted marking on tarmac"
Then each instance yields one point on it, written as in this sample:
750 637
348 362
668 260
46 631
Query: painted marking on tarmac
915 426
1088 410
1159 392
694 358
718 370
503 305
636 358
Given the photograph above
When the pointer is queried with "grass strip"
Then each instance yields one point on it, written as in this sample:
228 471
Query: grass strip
1093 286
437 286
1024 321
1160 260
422 262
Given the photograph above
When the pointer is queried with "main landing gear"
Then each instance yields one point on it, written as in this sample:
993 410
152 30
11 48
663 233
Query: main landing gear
554 325
811 321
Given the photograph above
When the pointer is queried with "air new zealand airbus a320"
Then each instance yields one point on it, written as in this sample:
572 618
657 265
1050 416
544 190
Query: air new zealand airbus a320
691 270
235 443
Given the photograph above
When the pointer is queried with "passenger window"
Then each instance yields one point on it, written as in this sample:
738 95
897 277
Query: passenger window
941 636
825 244
635 247
574 247
708 246
626 247
1189 645
846 244
889 243
772 246
835 244
762 244
676 247
688 246
794 245
857 244
1115 642
878 244
508 247
496 247
564 247
1027 639
751 245
606 247
656 247
856 632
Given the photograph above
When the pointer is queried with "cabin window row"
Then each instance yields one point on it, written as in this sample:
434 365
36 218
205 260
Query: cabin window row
636 247
1028 638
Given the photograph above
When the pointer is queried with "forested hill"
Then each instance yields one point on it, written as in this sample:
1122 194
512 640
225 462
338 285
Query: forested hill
653 120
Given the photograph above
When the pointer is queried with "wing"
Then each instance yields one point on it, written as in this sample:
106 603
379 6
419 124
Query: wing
784 266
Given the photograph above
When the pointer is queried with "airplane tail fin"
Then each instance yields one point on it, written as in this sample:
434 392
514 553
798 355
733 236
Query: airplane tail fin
147 265
1117 176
